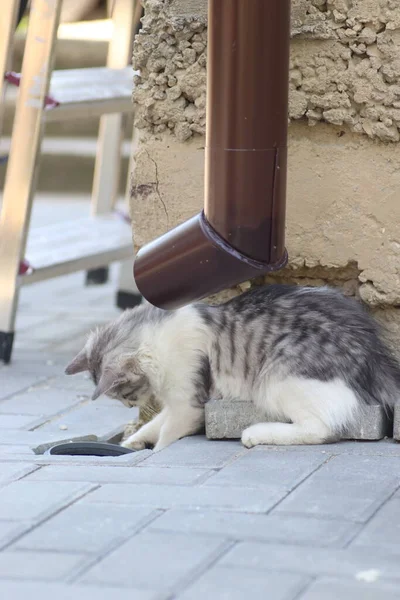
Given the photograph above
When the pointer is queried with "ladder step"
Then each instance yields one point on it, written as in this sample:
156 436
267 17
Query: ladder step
78 245
83 93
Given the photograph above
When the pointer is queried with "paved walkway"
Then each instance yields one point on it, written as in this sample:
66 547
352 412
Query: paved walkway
198 520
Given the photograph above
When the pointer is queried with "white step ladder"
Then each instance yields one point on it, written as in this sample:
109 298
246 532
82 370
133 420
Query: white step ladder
80 244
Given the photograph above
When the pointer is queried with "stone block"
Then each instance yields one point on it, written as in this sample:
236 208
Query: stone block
50 591
344 563
38 565
156 560
354 500
235 498
258 470
329 588
86 528
196 451
116 474
226 419
383 530
287 529
235 583
396 422
29 500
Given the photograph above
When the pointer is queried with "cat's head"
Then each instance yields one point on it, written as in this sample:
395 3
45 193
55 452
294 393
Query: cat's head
111 356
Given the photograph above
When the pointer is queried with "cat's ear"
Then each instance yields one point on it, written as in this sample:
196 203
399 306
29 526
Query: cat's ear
107 381
79 364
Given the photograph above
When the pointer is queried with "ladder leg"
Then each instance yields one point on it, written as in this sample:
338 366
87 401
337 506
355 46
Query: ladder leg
8 22
128 295
106 178
22 165
108 157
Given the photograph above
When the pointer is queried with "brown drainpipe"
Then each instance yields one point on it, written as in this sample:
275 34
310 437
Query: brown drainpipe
241 232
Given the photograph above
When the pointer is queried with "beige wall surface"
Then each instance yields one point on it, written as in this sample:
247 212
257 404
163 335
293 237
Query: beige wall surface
343 207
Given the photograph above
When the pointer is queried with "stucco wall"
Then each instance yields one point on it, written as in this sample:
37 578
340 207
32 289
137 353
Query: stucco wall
343 213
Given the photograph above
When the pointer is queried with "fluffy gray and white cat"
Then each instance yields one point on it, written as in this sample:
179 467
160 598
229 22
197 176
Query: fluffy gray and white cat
309 358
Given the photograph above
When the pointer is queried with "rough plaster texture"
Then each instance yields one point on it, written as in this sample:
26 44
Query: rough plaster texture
343 208
345 66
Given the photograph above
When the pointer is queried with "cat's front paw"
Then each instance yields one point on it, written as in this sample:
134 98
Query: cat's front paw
251 437
133 444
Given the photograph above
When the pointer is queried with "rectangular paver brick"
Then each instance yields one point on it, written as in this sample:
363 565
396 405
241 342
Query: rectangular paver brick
226 419
99 420
23 500
87 528
334 589
14 470
38 565
156 560
362 468
352 500
197 451
58 591
383 530
10 531
17 421
126 474
237 583
256 470
168 496
41 401
287 529
313 561
12 383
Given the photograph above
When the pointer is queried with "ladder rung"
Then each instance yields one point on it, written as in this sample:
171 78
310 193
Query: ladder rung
76 245
81 93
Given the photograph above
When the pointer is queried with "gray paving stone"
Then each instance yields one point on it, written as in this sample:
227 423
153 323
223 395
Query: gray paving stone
16 452
156 560
255 469
197 451
350 500
386 447
38 565
226 583
363 468
13 384
59 591
396 422
87 528
102 421
80 383
383 530
23 500
373 424
115 474
39 401
174 496
12 471
17 421
226 419
329 588
241 526
10 531
313 561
